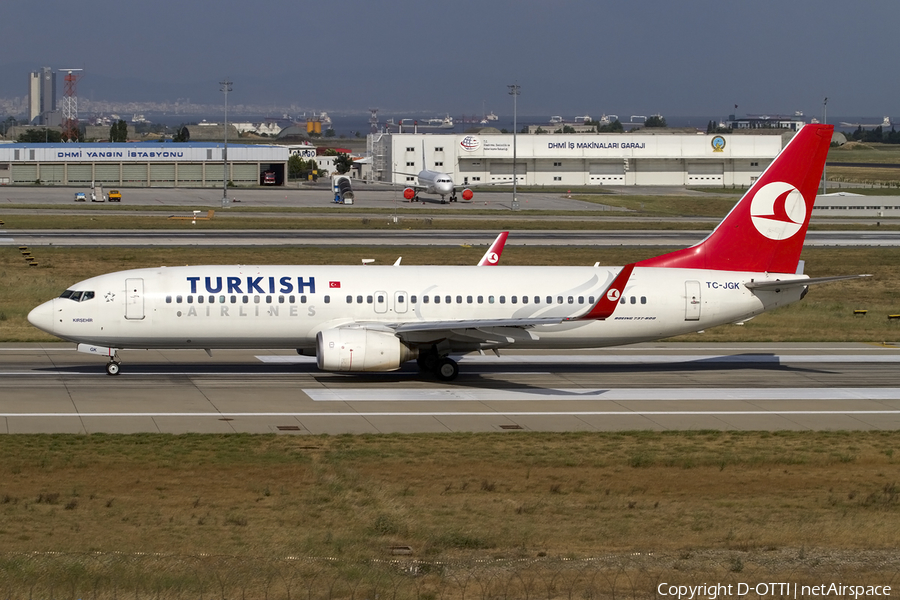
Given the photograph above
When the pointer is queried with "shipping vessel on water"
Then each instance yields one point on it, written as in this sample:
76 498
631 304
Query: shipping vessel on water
437 123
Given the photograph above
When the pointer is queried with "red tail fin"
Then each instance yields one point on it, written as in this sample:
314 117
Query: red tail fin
765 231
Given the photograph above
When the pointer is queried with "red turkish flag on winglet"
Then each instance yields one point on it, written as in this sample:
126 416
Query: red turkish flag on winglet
334 284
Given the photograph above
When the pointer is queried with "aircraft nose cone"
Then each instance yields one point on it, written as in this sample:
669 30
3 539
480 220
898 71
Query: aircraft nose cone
43 316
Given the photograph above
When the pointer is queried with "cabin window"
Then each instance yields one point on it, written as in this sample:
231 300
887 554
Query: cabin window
327 299
490 299
255 299
292 299
502 299
559 299
302 299
212 299
168 299
622 301
246 299
199 299
633 300
468 299
580 299
177 299
380 299
448 299
591 300
359 299
413 299
234 299
190 299
280 299
459 299
480 299
268 299
537 299
400 299
349 299
549 300
524 299
514 300
643 299
571 300
424 299
437 299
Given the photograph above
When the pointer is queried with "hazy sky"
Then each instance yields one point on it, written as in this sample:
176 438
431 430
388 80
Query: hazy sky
570 57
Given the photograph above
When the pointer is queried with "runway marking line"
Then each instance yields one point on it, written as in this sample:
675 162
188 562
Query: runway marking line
579 413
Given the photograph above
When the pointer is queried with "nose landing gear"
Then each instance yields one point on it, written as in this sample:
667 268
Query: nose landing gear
112 367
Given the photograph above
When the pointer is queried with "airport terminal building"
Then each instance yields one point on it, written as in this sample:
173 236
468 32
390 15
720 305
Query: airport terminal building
577 159
143 164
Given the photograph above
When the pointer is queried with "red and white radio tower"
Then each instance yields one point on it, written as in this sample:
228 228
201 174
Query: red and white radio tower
70 129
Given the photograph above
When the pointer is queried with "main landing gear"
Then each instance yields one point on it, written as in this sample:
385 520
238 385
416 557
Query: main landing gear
443 367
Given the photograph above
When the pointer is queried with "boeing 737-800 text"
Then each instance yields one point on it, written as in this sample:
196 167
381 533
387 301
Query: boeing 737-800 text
375 318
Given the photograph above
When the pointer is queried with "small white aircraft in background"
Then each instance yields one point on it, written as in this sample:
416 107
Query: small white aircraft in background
375 318
433 182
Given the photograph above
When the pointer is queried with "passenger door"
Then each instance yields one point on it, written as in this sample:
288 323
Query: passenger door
134 299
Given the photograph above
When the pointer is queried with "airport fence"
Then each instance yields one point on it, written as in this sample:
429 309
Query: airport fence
102 576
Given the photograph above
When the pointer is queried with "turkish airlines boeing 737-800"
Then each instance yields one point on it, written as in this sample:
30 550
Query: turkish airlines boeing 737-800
374 318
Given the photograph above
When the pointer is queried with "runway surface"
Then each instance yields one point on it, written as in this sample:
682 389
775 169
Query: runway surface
137 238
50 388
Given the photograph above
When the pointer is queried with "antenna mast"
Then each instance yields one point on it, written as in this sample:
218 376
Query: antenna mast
70 105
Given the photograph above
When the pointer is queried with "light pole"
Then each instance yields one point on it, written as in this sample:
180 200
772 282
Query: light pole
824 121
514 92
226 87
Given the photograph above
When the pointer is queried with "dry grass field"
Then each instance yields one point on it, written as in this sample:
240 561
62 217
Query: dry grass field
639 506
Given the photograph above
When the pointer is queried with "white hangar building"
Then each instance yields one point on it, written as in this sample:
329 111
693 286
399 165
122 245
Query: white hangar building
143 164
577 159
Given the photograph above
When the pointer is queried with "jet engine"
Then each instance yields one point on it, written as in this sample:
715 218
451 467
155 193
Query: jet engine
467 194
355 349
409 193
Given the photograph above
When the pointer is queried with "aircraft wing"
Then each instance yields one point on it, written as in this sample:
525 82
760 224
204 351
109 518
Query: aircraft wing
787 283
502 330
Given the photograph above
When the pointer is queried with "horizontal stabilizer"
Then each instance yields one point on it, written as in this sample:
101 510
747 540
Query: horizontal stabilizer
782 284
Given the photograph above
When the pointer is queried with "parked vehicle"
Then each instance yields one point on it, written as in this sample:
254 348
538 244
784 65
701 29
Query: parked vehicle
80 197
114 196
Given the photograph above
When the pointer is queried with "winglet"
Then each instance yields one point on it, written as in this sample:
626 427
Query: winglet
607 303
491 258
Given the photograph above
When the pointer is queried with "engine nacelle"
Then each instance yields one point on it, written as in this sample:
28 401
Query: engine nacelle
354 349
409 193
467 194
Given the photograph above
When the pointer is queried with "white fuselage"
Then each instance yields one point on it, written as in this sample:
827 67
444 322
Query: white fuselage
286 306
435 182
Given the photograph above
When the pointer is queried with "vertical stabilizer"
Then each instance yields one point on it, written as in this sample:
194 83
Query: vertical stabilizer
765 231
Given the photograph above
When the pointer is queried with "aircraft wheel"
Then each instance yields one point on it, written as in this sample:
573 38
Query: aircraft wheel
112 368
447 369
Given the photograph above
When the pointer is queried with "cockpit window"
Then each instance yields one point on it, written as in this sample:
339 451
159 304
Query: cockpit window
77 296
